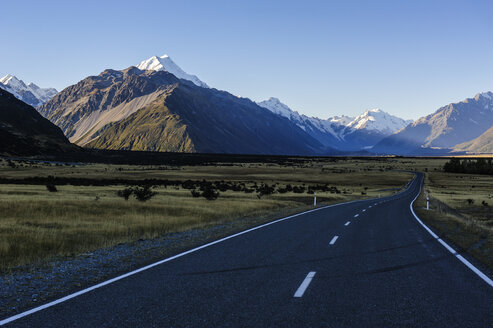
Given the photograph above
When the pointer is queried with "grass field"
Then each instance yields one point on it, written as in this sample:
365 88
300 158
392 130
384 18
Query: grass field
461 209
37 225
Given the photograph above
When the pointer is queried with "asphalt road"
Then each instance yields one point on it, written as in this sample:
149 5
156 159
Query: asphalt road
382 270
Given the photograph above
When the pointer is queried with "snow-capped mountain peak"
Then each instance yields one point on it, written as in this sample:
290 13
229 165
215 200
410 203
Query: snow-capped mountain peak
12 82
378 120
276 106
30 93
165 63
488 95
343 132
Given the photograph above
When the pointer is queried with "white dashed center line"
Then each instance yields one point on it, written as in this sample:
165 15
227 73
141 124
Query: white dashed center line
304 284
356 215
347 223
333 241
364 210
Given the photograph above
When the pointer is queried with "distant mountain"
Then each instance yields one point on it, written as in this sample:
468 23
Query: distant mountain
342 132
153 110
24 132
164 63
449 126
30 93
481 144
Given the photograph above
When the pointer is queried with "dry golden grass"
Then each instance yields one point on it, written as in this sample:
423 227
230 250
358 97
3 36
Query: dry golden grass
37 225
470 226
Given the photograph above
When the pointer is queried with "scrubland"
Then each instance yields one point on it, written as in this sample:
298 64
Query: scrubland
85 213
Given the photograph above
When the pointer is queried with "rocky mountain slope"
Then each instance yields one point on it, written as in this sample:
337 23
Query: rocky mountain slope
480 145
29 93
24 132
151 110
449 126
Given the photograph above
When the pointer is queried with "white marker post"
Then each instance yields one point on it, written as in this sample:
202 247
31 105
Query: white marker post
315 198
427 202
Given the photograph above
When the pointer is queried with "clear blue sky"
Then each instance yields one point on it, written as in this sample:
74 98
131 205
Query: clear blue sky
322 58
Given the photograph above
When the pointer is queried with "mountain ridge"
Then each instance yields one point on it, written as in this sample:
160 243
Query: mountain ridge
450 125
205 119
342 132
29 93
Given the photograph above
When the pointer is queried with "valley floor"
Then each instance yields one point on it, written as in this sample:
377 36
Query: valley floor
52 243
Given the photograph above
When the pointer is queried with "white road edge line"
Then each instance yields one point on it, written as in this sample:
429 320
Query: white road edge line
333 241
347 223
304 284
107 282
450 249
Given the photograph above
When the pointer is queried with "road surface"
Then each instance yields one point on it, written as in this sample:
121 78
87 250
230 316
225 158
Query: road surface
362 264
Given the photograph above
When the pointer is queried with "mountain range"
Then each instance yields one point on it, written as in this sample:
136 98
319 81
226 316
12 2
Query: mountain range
342 132
153 110
451 127
29 93
156 106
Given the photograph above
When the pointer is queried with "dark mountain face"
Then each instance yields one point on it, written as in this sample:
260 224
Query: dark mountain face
448 126
155 111
23 131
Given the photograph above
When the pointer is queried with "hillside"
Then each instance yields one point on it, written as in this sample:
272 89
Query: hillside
24 132
482 144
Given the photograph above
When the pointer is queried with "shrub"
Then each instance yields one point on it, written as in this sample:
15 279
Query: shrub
143 193
51 188
470 201
265 189
125 193
195 193
210 194
298 189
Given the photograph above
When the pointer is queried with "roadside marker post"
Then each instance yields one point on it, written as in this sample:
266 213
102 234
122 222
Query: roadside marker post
427 202
315 198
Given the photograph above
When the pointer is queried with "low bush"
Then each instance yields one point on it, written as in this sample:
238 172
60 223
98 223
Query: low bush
51 188
141 193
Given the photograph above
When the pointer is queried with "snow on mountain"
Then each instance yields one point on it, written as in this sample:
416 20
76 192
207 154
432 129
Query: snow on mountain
30 93
341 120
164 63
342 132
330 126
378 120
